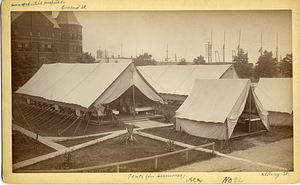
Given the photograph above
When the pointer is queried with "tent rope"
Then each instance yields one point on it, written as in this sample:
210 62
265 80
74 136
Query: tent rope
23 117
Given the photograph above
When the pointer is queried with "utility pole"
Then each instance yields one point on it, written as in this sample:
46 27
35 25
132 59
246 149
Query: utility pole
135 52
261 48
233 54
211 46
277 48
239 42
121 50
207 52
167 54
217 56
224 47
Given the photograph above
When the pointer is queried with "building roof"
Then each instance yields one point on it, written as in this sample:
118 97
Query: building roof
51 19
179 79
276 94
47 15
15 15
67 17
85 84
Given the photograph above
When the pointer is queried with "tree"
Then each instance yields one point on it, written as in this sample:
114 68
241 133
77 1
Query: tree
22 70
54 57
241 64
143 60
85 57
286 66
266 66
199 60
182 62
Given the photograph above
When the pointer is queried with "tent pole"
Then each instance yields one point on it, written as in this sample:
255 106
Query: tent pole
133 100
250 110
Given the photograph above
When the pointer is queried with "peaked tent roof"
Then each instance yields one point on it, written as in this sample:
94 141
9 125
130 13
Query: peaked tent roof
179 79
218 101
83 84
276 94
67 17
212 100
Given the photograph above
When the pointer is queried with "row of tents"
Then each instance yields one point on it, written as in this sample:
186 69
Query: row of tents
213 97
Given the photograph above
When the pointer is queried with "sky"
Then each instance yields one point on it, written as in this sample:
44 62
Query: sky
186 33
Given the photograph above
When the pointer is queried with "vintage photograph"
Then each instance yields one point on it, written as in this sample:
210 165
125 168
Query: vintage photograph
152 91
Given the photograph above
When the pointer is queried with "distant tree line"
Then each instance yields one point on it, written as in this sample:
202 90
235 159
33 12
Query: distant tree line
267 66
143 60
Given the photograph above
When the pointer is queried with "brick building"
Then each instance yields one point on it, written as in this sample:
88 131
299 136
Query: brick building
39 34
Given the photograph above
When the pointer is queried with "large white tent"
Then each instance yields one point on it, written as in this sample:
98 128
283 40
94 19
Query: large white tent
276 95
84 86
176 81
213 108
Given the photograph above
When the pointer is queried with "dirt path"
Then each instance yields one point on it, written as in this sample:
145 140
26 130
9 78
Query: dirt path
276 154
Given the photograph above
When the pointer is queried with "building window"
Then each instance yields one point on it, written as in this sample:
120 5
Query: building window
52 34
49 47
15 32
39 34
71 36
30 34
75 49
43 47
20 47
27 46
75 36
60 35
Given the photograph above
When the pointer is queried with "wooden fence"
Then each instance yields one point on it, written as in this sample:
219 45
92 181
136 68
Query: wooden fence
117 164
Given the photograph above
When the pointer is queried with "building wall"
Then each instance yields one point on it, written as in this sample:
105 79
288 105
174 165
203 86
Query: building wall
33 34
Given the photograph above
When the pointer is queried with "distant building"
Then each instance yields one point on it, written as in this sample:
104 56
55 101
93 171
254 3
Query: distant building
99 55
112 59
38 34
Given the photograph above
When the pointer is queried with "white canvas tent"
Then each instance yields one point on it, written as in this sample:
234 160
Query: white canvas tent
176 81
276 95
213 108
84 86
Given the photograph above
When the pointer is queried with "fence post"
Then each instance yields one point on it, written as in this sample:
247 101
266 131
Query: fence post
156 159
186 156
118 168
213 149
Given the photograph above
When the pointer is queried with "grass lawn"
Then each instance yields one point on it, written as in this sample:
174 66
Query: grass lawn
24 148
234 144
74 142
